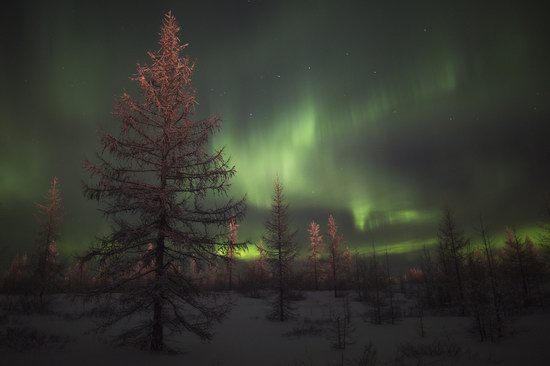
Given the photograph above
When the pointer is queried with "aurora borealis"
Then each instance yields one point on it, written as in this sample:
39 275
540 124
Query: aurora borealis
377 112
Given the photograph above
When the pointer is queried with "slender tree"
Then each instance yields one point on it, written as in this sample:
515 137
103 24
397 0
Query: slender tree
432 288
261 262
44 265
280 253
316 247
232 245
523 266
389 290
493 280
514 258
451 256
375 280
334 252
160 184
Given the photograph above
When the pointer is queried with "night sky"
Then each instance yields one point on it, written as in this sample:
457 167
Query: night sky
379 112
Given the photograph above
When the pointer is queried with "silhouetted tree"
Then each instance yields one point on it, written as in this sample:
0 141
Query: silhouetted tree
45 269
495 293
523 267
451 257
360 277
433 292
316 248
158 187
280 254
477 291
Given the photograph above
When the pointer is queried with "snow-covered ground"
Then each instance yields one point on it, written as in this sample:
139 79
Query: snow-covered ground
246 337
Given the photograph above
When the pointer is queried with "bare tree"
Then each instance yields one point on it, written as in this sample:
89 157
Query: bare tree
280 253
316 248
166 195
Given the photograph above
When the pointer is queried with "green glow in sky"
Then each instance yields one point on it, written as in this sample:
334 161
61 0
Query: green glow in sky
378 113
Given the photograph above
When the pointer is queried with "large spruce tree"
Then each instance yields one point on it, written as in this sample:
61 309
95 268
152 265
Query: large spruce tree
165 193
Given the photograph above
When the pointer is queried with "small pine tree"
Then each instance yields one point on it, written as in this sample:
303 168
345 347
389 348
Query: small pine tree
280 254
316 248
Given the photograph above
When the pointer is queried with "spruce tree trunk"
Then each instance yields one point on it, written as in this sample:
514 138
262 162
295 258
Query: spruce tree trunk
157 336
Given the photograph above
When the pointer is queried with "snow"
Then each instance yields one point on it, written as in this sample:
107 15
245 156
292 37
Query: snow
246 337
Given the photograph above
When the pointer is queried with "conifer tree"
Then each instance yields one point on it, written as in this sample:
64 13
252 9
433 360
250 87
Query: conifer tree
280 253
523 266
160 184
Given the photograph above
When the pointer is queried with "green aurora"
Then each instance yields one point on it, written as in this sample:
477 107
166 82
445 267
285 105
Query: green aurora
380 112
